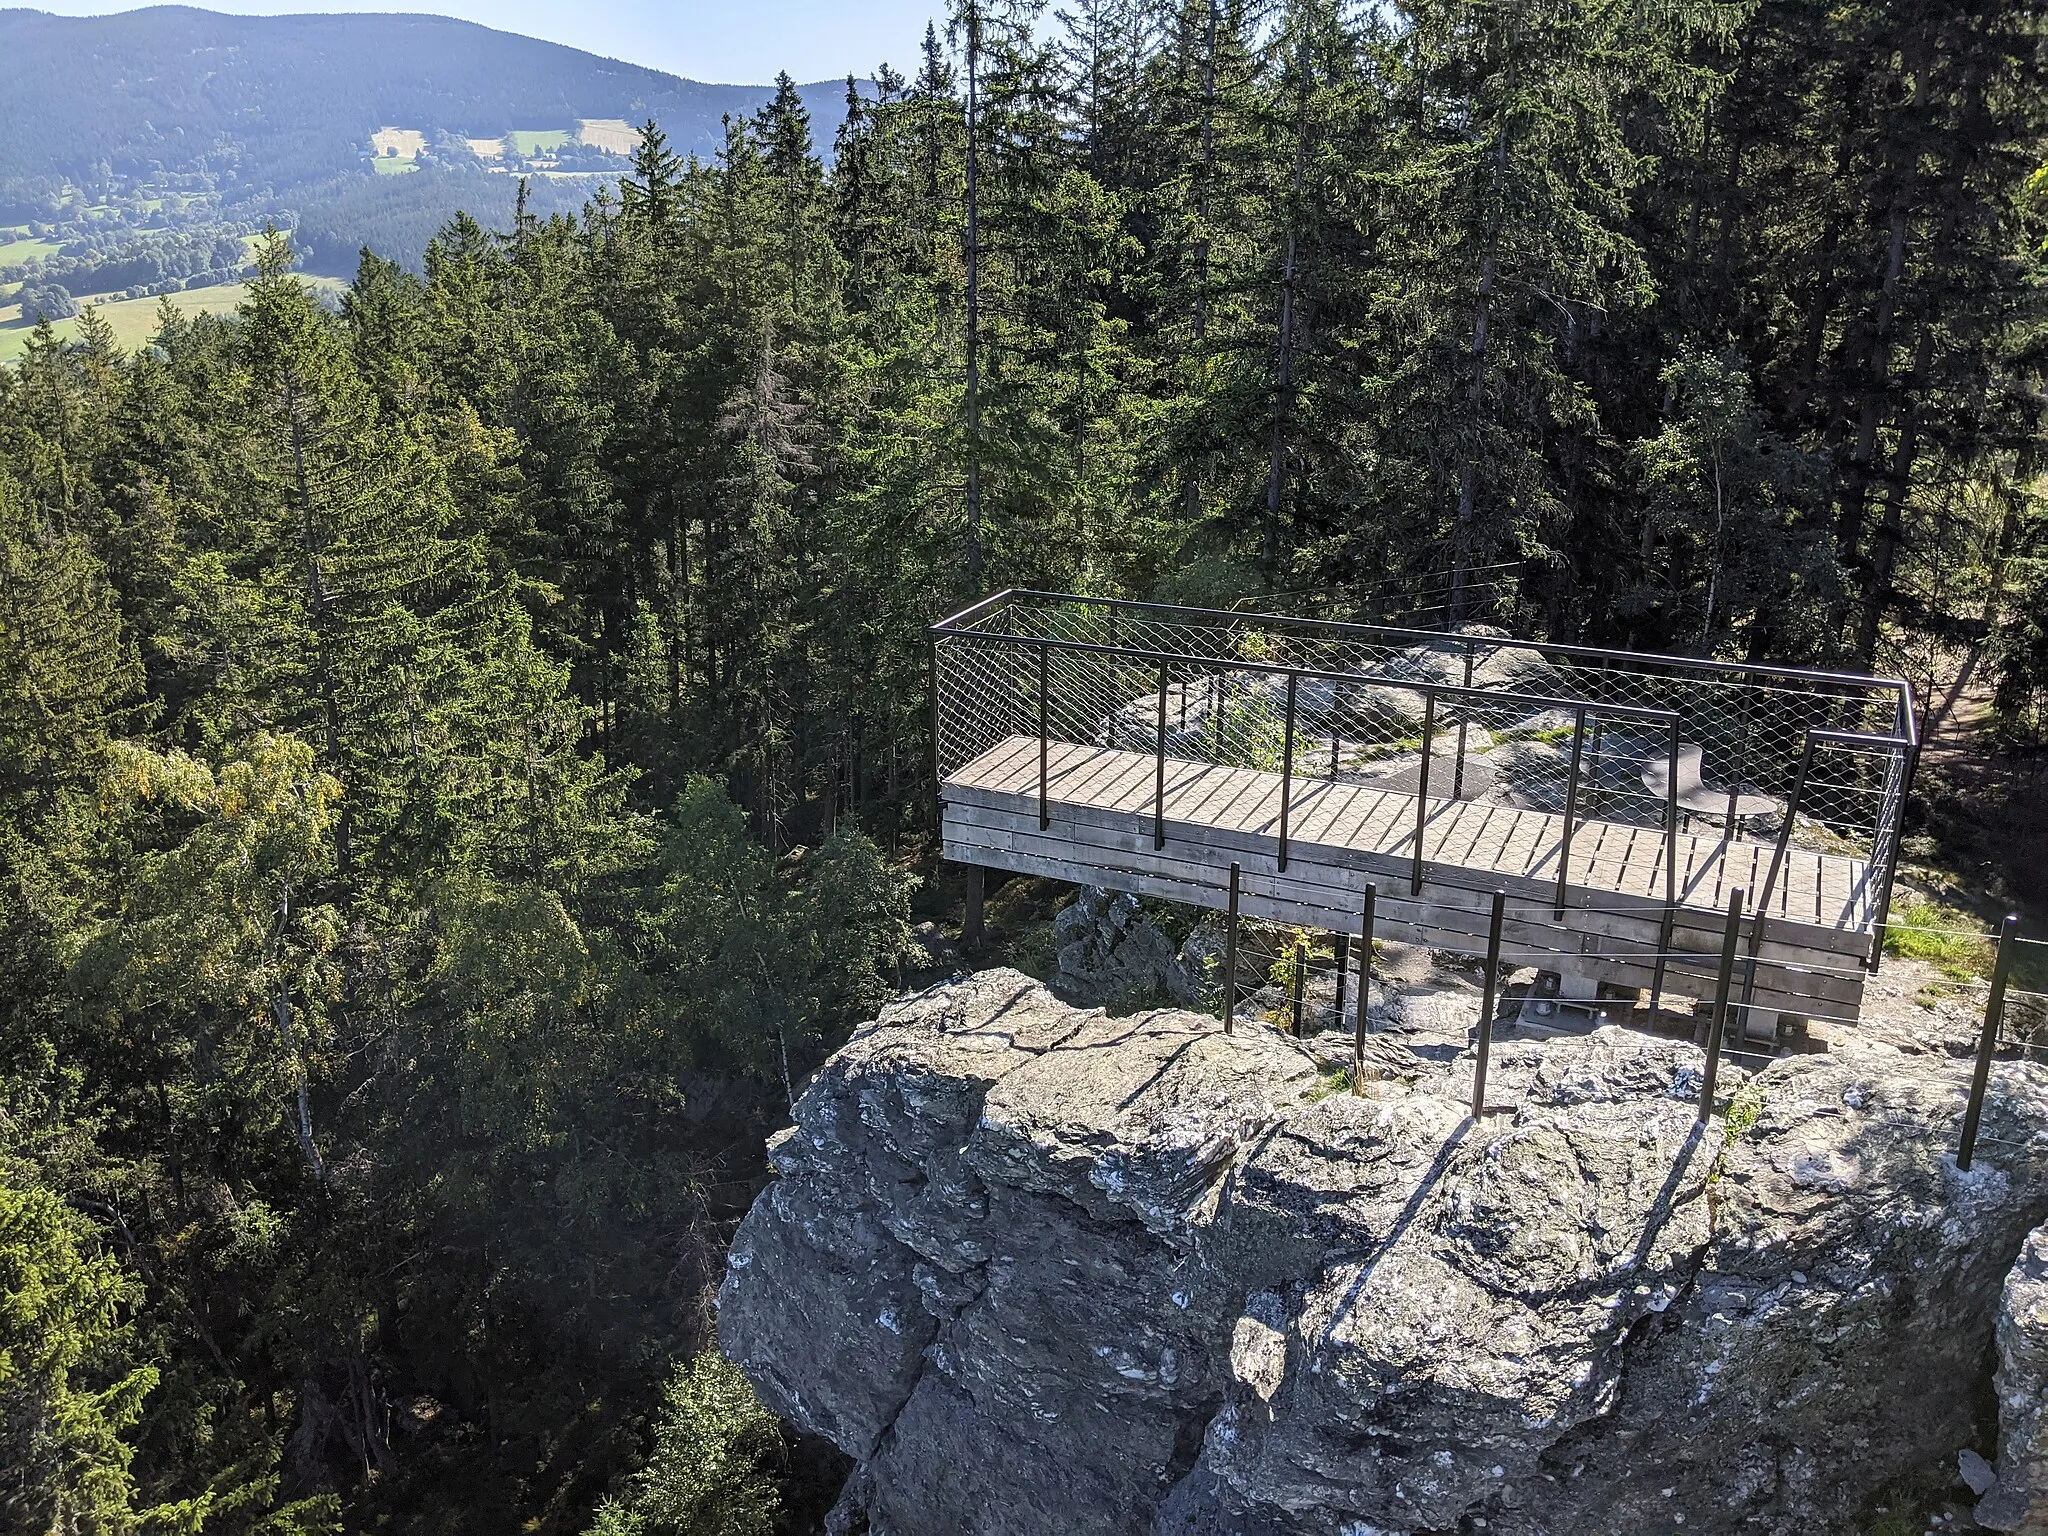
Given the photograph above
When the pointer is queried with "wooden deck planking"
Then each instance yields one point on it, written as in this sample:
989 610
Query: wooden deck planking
1813 890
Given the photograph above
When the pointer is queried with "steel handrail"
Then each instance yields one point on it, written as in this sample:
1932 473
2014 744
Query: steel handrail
1646 712
1900 689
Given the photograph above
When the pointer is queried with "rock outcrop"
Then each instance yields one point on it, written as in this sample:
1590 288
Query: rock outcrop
1041 1270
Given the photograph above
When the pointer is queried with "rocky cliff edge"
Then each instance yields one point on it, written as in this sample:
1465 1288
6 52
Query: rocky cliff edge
1042 1270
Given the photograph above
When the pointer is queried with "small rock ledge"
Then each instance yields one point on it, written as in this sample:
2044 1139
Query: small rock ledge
1036 1269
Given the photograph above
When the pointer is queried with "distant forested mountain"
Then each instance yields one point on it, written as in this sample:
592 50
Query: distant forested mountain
269 106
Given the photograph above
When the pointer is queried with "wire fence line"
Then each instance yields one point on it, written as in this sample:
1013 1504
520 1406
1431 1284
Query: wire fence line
1803 759
1776 758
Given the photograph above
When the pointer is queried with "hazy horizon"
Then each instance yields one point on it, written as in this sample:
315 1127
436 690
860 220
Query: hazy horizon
726 45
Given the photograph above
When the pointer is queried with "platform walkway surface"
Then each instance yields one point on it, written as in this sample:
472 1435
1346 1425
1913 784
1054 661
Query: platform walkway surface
1344 832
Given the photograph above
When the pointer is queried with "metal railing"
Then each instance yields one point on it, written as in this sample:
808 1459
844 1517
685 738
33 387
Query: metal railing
1565 729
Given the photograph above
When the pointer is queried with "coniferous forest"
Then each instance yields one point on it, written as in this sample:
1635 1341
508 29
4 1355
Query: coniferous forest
463 755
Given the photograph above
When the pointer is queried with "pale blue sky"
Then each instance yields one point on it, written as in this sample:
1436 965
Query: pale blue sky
732 41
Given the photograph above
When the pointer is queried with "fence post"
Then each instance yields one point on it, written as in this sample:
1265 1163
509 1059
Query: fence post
1286 766
1729 937
1230 955
1500 901
1300 982
1364 991
1044 737
1422 789
1987 1042
1571 807
1343 964
1159 768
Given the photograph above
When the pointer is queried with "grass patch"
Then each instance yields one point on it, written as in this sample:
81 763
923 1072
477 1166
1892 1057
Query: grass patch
1329 1080
1929 931
134 320
21 249
534 141
394 167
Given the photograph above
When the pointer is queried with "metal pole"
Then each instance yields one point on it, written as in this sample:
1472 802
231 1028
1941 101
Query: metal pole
1044 736
1159 766
1364 990
1891 866
1458 773
1741 767
1300 981
1500 901
1571 806
1593 769
1729 937
1664 935
1343 966
1987 1042
938 792
1422 788
1671 822
1668 927
1287 766
1230 955
1791 816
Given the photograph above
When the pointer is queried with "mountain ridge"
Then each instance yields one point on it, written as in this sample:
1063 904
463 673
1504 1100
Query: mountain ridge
287 100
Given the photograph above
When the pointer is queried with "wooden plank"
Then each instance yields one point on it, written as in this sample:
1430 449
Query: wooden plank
1336 886
1779 989
1235 811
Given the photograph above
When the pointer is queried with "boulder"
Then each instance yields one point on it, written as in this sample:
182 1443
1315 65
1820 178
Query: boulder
1110 952
1036 1269
2016 1498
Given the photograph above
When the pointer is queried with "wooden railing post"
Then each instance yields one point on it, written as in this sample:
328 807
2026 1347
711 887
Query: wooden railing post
1987 1041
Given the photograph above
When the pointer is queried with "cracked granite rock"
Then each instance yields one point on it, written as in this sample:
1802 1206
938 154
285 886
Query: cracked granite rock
1039 1270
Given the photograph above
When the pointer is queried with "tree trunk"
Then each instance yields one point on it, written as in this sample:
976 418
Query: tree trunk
971 552
1283 394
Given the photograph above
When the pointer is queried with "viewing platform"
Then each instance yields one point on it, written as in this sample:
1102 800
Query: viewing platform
1617 799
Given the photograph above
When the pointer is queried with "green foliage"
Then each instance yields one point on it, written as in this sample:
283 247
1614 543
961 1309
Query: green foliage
1953 942
709 1473
66 1391
462 756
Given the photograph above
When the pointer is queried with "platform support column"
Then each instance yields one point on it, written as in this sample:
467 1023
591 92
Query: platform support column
973 933
1300 987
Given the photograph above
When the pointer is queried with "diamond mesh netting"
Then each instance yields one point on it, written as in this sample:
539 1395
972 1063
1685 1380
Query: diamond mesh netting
1502 716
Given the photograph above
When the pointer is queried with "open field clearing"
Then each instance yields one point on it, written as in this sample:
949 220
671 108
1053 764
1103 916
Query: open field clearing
534 141
387 167
612 133
405 143
486 149
134 320
17 248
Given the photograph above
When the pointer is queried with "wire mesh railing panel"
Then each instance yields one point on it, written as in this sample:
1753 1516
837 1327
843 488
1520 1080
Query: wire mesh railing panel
1782 759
